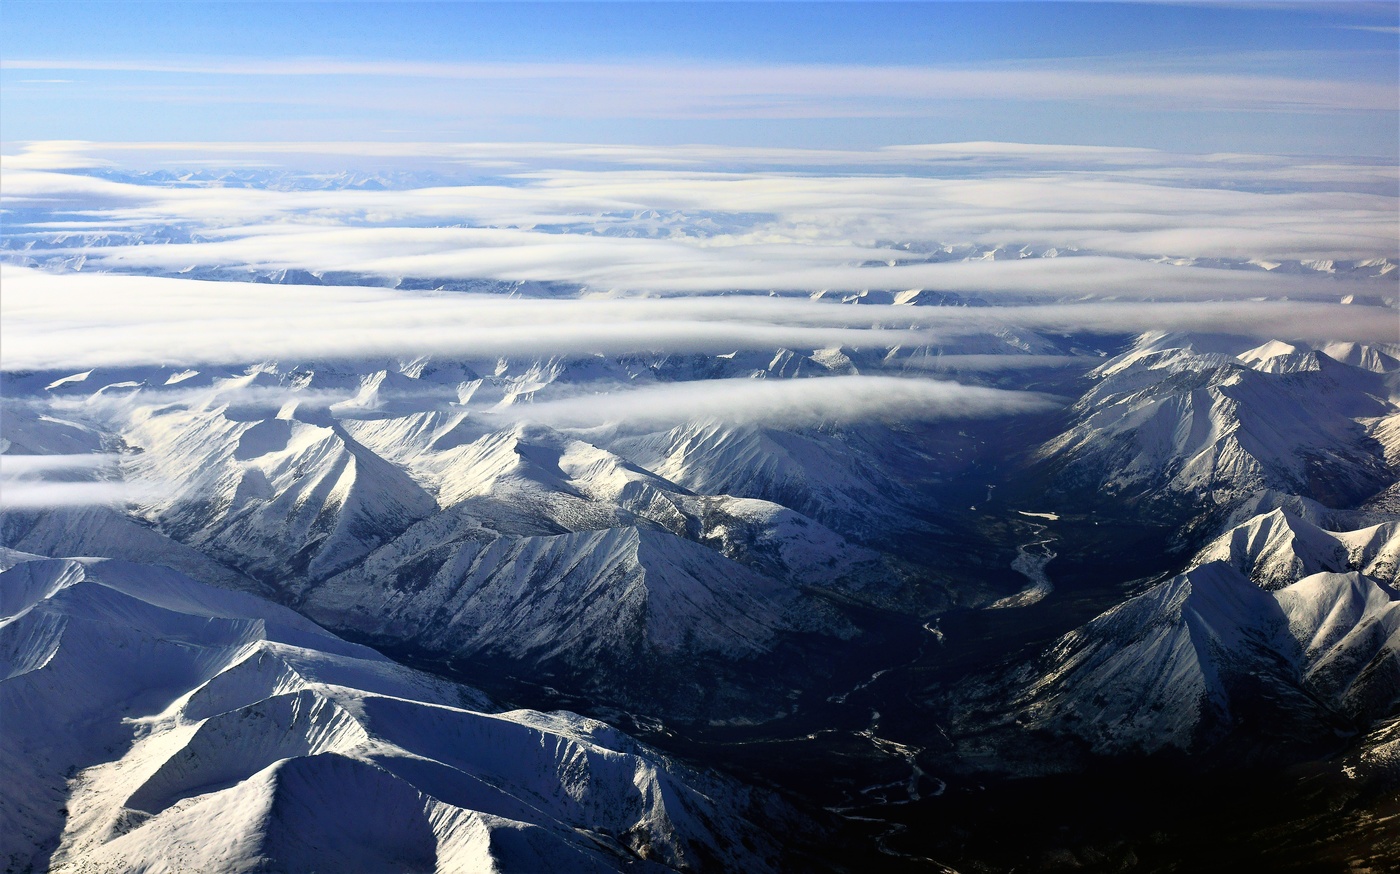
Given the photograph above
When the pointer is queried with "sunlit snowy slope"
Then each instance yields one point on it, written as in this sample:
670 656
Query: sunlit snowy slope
155 723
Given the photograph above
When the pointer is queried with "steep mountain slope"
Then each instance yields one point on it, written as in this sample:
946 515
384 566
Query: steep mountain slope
1165 422
577 560
209 730
611 594
820 475
1195 658
104 531
1278 357
30 431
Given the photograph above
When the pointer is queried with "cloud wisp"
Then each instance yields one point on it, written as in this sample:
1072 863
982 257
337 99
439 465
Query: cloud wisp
781 403
807 402
42 482
45 495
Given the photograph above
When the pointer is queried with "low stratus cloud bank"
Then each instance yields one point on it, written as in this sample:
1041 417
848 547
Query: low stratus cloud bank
639 266
82 319
85 320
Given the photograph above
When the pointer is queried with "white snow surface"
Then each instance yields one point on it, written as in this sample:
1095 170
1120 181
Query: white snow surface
156 724
1278 548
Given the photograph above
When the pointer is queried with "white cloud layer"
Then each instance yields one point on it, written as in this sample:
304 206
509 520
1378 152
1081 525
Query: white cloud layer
678 250
18 467
50 321
39 495
106 320
1147 209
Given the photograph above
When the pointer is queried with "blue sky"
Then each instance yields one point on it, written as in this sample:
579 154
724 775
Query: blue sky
1285 78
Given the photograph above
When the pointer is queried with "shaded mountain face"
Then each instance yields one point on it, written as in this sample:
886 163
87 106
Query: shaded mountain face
1281 639
204 729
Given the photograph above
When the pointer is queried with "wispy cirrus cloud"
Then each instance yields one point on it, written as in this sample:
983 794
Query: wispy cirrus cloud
718 90
1372 28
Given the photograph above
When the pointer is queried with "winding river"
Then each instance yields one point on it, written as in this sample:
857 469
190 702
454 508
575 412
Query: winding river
1031 559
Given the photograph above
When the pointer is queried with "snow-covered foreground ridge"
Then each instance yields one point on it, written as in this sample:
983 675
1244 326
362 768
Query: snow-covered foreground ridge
153 723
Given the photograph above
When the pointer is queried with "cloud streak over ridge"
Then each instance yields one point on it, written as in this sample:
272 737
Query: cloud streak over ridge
783 403
41 482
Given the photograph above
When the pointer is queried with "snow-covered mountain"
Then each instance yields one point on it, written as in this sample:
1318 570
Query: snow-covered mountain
1176 419
397 504
609 596
1279 626
155 723
1193 658
822 476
